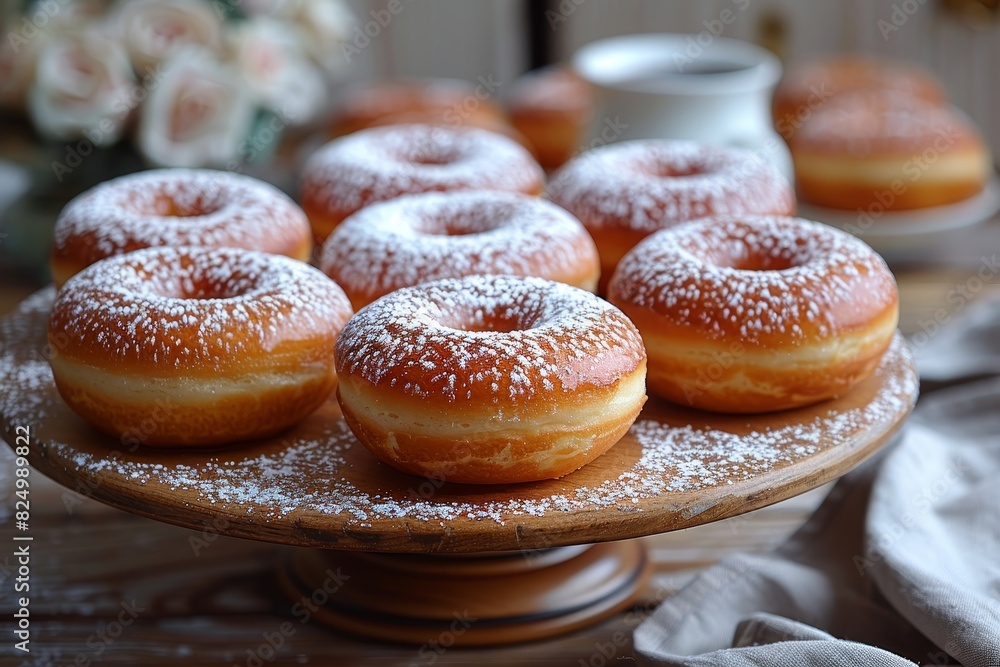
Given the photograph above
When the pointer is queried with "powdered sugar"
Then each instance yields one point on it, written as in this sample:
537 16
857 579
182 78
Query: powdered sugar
648 185
489 337
427 237
865 121
310 476
178 207
385 162
815 280
194 308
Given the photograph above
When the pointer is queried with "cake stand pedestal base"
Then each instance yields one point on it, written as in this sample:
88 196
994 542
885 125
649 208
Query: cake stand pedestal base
467 600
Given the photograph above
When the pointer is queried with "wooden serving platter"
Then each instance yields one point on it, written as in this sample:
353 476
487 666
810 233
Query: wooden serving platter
317 486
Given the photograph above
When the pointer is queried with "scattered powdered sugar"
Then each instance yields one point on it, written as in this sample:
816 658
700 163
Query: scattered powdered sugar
312 477
488 338
866 121
425 237
648 185
194 308
386 162
179 207
811 279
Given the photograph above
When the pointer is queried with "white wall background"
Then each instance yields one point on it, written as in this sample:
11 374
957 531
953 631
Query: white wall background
472 38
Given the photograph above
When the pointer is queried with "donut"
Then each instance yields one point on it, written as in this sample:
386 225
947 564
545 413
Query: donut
490 379
757 314
451 102
176 207
421 238
383 163
809 87
624 192
881 152
190 347
551 108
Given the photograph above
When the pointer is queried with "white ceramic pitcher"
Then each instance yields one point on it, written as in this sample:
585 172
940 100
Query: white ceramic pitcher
673 86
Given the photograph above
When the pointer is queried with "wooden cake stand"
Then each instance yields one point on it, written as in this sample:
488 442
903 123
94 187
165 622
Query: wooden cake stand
408 559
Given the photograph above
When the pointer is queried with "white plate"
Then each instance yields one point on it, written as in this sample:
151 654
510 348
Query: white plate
910 235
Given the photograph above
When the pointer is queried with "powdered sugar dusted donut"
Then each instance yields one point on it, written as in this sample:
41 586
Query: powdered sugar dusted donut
420 238
878 151
624 192
490 379
807 88
177 207
757 314
210 346
387 162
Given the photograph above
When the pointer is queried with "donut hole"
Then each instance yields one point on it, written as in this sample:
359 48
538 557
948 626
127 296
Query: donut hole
172 207
501 320
662 170
463 223
430 154
743 257
670 166
205 287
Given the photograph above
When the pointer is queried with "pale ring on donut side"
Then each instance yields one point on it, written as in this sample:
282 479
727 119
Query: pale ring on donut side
490 379
181 347
757 314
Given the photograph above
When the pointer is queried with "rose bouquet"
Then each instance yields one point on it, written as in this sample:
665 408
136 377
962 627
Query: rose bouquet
187 81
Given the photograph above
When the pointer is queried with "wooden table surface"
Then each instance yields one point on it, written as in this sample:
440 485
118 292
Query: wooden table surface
111 588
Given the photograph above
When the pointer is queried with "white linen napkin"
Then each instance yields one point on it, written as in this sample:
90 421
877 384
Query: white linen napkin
899 566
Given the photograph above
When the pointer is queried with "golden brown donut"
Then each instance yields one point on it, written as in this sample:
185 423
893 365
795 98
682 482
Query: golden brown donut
552 109
490 379
755 314
451 102
177 207
387 162
421 238
624 192
185 347
878 152
807 88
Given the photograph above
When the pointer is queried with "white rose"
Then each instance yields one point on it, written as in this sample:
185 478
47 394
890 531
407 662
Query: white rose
269 55
18 62
325 25
156 30
198 114
81 86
